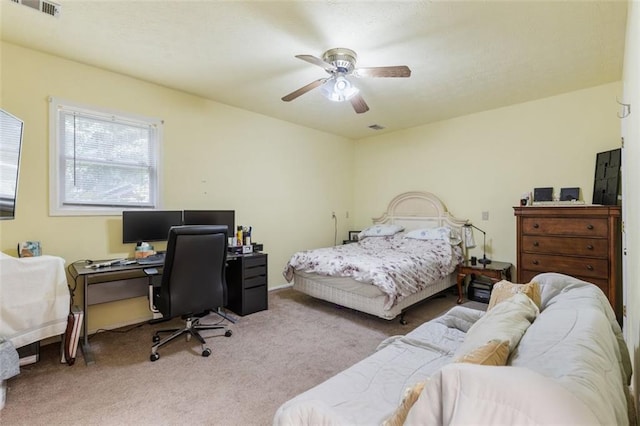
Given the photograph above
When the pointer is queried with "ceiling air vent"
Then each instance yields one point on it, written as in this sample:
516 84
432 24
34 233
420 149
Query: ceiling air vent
44 6
376 127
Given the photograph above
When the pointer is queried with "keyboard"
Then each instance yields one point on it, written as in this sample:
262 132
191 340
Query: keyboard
154 259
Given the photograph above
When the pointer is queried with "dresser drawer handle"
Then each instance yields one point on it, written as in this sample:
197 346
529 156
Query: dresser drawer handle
589 226
536 244
589 247
535 262
536 226
589 267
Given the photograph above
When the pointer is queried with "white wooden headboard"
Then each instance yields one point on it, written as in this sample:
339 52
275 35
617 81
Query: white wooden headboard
415 210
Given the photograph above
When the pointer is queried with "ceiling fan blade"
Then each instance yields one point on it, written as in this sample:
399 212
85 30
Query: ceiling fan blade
304 89
319 62
359 104
393 71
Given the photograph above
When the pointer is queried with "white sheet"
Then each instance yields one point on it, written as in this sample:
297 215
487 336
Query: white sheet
34 298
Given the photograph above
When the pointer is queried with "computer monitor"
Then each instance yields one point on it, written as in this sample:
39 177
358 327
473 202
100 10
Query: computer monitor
148 225
211 217
11 129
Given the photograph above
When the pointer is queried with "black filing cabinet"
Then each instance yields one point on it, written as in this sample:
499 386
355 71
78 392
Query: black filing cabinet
247 283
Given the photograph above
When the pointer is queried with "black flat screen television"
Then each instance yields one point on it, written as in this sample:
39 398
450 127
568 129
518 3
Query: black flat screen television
211 217
11 129
148 225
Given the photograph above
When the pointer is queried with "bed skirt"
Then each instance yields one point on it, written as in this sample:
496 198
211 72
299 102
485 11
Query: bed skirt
362 297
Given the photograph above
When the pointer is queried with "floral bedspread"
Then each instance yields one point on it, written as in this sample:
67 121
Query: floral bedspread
398 266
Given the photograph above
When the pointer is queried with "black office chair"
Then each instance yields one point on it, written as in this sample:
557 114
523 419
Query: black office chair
193 282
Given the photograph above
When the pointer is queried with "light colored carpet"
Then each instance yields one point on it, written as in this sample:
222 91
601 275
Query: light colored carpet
272 356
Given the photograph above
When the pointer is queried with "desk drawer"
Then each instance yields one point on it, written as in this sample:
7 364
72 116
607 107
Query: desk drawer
117 290
255 299
592 247
255 260
588 227
254 281
574 266
255 271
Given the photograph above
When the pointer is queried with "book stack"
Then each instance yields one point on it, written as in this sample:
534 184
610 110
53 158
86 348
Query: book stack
71 337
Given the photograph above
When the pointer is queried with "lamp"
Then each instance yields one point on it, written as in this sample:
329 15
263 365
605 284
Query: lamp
338 88
470 243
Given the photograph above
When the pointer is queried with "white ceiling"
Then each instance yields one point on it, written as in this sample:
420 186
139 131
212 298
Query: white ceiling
465 56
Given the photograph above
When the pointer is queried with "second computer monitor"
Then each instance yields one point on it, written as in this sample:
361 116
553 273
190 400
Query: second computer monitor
211 217
148 225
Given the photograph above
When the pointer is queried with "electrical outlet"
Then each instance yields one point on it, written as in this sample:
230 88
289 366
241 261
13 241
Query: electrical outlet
485 215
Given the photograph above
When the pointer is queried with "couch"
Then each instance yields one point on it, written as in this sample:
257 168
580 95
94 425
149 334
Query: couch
547 352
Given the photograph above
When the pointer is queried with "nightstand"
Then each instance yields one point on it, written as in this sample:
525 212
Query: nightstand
495 271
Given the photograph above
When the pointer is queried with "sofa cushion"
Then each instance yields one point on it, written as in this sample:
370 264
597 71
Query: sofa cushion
574 342
494 352
508 320
480 395
504 289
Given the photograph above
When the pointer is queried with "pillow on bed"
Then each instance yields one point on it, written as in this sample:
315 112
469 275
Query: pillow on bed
441 233
380 231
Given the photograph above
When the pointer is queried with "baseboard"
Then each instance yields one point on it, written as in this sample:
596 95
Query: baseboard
279 287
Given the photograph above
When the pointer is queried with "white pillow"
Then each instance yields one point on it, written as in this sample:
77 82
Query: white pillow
441 233
508 320
380 231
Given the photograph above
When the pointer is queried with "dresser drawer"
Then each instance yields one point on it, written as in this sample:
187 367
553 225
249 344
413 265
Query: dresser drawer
587 227
527 276
591 247
574 266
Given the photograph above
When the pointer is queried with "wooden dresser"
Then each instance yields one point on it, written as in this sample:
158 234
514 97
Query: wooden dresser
581 241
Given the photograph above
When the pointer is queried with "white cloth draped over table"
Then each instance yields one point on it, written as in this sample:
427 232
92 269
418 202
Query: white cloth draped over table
34 298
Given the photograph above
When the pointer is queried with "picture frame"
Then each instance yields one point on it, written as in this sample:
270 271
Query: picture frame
353 235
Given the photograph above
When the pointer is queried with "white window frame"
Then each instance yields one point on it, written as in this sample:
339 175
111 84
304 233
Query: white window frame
57 205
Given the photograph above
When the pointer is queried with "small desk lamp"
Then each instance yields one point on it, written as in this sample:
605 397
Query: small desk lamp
484 260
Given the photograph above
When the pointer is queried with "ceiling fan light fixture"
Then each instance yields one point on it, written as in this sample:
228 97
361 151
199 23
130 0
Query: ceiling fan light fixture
338 89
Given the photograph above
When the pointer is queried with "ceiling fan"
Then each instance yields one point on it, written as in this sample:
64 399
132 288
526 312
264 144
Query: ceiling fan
340 64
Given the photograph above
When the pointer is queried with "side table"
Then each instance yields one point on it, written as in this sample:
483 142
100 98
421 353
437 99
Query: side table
496 271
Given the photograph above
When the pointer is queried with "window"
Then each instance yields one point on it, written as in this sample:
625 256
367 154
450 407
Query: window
102 162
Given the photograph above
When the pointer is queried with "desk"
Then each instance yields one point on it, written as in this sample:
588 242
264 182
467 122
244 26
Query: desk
107 284
246 276
495 271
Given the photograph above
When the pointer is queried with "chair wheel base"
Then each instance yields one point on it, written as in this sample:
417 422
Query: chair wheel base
206 352
154 357
228 333
156 339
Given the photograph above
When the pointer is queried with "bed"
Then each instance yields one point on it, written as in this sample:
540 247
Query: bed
411 211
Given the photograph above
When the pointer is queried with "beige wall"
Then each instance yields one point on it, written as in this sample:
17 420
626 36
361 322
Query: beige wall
480 162
485 161
631 192
282 179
